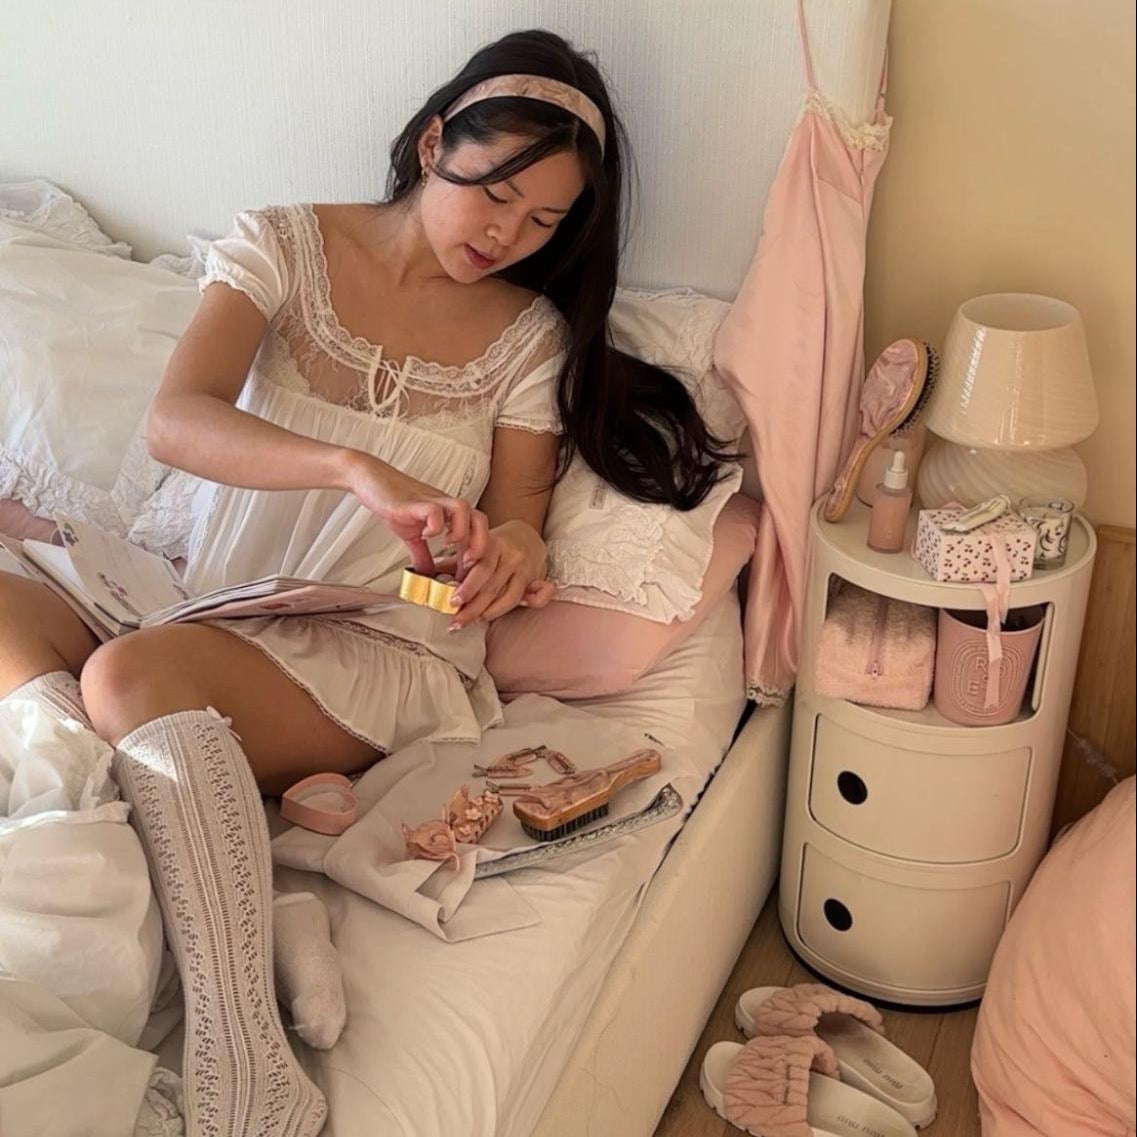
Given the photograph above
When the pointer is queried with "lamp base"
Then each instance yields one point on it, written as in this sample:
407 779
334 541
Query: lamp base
959 473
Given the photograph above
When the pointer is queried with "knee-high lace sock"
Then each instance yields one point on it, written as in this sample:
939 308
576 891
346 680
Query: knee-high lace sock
59 692
198 811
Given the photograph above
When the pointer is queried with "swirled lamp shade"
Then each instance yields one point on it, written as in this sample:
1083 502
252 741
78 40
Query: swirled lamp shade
969 476
1015 375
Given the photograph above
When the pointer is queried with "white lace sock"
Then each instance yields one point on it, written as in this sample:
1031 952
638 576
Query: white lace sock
308 977
59 692
198 811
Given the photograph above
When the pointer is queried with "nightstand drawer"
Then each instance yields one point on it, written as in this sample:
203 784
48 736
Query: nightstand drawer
898 935
916 805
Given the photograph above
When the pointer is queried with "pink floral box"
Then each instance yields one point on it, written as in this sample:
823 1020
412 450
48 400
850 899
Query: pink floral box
968 556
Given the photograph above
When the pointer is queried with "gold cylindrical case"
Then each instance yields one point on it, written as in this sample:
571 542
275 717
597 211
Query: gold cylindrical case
427 591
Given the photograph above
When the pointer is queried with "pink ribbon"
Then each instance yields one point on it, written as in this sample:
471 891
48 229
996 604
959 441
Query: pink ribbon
998 598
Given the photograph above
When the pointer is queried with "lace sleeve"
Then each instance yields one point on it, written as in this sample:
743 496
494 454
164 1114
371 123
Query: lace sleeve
530 403
252 259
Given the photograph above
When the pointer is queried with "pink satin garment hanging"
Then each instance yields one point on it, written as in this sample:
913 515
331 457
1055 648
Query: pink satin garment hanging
792 349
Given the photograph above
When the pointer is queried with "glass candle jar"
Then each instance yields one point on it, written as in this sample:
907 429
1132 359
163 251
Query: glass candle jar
1051 518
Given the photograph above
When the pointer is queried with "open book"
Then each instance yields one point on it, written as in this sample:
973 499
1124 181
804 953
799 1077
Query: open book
116 587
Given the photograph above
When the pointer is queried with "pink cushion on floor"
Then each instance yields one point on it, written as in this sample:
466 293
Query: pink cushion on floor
1054 1046
571 651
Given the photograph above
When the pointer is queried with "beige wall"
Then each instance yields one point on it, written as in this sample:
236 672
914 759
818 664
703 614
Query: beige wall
1012 170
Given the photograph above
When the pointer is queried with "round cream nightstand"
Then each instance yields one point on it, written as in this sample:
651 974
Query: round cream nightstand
908 839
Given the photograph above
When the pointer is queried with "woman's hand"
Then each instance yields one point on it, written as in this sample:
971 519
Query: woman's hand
415 512
510 572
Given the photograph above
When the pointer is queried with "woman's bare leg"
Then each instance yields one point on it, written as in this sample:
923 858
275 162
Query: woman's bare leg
197 809
284 734
39 634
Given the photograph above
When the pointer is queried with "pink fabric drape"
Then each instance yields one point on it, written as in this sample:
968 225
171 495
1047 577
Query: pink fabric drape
791 347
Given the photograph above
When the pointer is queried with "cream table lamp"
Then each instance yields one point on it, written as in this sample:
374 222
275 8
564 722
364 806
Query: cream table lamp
1015 392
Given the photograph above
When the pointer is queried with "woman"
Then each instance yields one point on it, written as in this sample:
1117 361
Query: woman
356 378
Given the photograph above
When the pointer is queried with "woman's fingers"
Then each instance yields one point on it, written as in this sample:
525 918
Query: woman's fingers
475 601
432 517
457 514
508 599
539 594
478 539
421 559
476 578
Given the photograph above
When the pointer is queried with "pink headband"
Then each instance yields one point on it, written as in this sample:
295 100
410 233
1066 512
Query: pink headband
534 87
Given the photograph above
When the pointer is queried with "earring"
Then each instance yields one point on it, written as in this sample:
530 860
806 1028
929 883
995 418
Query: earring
425 175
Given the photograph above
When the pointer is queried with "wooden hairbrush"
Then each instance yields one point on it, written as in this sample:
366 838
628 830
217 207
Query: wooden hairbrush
429 591
552 811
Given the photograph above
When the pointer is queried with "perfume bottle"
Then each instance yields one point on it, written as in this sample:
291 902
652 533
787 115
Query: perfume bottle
890 505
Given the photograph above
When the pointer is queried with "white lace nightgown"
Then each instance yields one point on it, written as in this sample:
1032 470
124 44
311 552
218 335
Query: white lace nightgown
396 675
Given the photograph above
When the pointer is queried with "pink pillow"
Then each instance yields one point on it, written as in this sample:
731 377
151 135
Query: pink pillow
18 521
1054 1046
572 651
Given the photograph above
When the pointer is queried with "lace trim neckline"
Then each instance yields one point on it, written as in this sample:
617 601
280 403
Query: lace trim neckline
871 135
362 352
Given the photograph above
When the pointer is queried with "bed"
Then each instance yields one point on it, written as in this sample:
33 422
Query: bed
709 93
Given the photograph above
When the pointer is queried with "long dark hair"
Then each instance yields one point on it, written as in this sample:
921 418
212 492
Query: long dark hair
636 425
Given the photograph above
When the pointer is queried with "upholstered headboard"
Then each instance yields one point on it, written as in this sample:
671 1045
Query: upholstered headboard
168 116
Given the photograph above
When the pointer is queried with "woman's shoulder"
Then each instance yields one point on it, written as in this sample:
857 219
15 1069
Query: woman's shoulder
267 225
514 307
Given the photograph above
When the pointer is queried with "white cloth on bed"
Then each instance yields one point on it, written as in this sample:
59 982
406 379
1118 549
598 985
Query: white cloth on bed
80 934
76 911
414 784
395 675
61 1076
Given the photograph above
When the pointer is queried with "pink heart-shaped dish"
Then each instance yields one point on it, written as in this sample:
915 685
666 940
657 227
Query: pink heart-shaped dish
324 803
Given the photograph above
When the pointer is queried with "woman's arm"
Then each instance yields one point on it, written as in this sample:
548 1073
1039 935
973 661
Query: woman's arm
515 501
194 426
521 477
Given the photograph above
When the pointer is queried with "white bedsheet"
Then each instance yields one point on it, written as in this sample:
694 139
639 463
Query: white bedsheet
470 1038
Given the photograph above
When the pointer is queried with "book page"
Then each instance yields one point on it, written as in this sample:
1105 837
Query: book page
305 600
122 579
11 561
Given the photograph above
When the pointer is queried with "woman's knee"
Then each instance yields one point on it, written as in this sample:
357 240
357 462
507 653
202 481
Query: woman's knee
139 677
38 632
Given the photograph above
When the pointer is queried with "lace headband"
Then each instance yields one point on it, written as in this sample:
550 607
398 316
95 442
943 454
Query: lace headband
534 87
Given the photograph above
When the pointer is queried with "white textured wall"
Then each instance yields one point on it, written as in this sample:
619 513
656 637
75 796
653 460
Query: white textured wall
164 116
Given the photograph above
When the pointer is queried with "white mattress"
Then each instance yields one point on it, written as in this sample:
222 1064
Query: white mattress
470 1038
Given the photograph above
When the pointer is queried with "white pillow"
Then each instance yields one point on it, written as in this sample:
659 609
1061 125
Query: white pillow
607 551
86 337
40 205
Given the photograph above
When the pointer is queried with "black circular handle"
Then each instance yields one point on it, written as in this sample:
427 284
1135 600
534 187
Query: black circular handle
838 915
851 787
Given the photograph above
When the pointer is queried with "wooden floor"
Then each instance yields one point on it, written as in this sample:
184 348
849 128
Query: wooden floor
941 1043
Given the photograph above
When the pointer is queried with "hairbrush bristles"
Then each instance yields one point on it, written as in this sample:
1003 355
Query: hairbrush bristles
921 404
567 828
569 803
